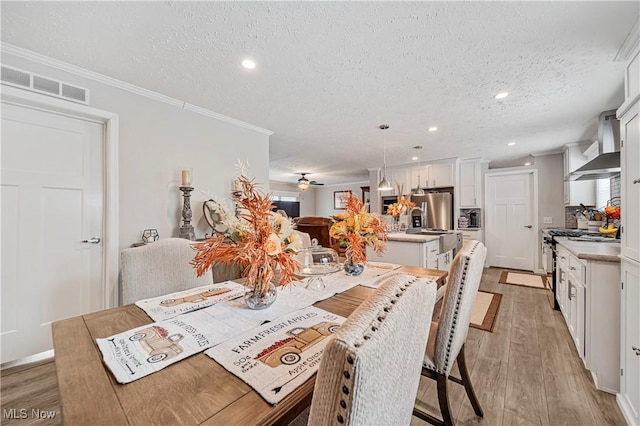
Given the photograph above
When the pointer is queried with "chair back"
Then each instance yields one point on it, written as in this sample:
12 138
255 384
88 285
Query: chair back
465 274
370 370
158 268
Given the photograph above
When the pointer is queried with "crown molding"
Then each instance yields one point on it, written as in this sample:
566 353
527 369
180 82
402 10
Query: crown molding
109 81
629 44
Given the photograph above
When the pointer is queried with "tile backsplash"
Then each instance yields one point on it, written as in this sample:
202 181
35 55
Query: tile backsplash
615 187
570 220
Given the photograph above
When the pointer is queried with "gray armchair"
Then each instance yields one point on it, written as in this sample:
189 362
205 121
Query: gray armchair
447 336
370 369
158 268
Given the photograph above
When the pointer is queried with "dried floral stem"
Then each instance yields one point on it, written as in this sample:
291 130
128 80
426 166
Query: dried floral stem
359 229
261 242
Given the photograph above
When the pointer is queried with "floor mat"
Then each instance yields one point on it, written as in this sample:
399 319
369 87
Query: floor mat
523 279
485 310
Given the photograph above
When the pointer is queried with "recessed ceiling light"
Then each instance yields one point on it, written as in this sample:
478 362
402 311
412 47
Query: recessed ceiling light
248 64
414 158
527 164
511 144
433 129
502 95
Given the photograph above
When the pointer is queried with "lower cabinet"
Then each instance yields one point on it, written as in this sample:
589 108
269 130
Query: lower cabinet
472 234
408 253
588 296
629 396
444 260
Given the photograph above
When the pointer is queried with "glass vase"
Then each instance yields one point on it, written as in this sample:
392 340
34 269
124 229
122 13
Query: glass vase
260 296
353 268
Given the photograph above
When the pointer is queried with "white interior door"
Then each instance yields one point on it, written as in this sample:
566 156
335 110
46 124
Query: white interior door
52 200
510 222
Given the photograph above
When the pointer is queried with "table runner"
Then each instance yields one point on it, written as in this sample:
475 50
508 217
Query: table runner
174 304
277 357
136 353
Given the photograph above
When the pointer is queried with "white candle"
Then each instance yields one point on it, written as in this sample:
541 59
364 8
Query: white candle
186 177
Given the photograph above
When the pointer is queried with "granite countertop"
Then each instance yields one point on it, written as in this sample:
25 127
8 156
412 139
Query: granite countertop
411 238
604 252
469 228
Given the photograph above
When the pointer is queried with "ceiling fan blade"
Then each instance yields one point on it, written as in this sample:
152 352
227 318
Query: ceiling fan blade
313 182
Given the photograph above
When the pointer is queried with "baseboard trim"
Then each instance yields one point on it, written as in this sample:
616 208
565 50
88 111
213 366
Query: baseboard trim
625 407
26 362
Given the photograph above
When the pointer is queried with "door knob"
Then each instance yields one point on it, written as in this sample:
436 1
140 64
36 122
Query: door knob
92 240
636 181
636 350
528 226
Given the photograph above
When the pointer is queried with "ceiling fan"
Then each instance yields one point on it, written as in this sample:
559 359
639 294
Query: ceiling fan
303 182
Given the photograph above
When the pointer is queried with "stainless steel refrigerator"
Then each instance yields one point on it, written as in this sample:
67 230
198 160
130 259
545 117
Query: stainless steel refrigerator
437 209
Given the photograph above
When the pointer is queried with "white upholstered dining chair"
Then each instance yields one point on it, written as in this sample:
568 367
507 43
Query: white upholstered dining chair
447 336
158 268
370 369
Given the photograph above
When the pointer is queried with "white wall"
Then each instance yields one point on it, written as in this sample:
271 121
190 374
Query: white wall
550 190
324 197
157 140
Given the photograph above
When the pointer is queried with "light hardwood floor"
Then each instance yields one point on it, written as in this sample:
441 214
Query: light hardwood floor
526 372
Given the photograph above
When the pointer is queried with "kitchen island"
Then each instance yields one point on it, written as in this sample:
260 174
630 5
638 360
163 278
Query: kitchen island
588 292
414 250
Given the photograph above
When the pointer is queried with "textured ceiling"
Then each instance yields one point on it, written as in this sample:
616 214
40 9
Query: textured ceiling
328 73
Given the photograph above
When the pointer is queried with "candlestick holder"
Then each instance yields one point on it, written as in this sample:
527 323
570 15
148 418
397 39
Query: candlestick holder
186 230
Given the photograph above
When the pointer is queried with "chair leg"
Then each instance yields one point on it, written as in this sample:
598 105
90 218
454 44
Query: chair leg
466 382
443 400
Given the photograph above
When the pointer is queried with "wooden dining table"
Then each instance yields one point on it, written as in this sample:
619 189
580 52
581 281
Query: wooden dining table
194 391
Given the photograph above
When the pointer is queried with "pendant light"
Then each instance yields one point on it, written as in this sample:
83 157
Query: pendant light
419 190
384 183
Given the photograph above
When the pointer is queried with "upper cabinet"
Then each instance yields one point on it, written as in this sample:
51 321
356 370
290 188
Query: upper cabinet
398 177
577 192
433 175
629 116
630 182
470 181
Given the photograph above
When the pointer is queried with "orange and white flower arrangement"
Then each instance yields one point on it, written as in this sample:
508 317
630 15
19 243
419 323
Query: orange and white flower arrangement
400 208
259 240
359 229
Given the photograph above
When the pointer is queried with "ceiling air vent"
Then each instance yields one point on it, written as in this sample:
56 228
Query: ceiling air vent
40 84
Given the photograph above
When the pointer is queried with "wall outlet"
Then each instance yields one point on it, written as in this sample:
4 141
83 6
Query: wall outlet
548 220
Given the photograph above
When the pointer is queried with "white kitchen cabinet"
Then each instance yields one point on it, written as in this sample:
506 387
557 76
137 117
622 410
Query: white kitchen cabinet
418 176
441 174
632 77
630 182
576 192
588 296
423 254
576 299
444 260
472 234
562 270
398 176
469 184
629 397
433 175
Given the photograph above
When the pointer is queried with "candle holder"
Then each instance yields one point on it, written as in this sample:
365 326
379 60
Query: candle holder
186 230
